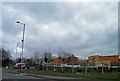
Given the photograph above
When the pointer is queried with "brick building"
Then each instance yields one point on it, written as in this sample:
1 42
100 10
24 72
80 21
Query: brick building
114 60
69 60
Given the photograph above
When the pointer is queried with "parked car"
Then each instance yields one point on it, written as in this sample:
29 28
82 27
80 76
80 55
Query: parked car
20 65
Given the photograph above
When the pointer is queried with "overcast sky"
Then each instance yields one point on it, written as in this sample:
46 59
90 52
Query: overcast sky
83 28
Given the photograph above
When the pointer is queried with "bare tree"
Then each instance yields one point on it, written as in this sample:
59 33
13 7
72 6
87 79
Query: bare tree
6 57
36 57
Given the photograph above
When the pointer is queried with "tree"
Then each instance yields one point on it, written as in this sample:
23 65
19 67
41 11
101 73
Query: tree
48 56
36 57
46 59
64 54
6 57
18 60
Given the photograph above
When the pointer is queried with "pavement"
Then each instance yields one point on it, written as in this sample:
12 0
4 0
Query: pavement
59 78
20 77
49 77
33 77
39 76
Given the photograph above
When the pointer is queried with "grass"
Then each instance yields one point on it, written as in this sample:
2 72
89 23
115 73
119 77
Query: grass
2 67
105 76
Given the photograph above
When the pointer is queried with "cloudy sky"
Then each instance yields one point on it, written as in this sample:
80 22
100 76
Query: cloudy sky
83 28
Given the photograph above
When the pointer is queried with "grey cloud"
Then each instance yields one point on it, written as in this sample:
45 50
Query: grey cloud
78 27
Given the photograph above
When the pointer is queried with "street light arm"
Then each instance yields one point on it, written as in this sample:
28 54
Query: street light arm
20 22
17 22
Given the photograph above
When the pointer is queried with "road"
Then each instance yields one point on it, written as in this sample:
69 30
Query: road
20 77
6 76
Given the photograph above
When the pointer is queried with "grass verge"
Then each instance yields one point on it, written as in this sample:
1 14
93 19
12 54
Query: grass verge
105 76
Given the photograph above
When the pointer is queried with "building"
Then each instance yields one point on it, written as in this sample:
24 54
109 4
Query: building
69 60
57 60
112 60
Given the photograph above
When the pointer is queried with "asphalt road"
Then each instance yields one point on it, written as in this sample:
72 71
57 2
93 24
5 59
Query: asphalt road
6 76
20 77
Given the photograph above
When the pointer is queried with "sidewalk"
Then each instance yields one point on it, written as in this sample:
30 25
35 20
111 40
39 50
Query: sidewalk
52 77
60 78
45 76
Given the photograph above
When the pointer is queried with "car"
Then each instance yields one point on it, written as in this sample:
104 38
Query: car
20 66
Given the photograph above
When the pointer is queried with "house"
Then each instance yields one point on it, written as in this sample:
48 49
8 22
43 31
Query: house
113 60
69 60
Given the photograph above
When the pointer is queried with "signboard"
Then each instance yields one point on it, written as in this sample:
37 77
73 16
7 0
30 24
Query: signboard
102 63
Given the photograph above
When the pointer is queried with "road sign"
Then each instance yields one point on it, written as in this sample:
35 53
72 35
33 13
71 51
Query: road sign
102 63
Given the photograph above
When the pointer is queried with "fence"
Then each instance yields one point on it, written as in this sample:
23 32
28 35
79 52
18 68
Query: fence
76 68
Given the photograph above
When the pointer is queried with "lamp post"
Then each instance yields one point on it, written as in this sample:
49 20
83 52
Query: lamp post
22 38
17 48
102 67
86 65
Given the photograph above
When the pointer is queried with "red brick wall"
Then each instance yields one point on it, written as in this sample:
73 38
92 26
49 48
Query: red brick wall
57 60
65 60
109 58
112 59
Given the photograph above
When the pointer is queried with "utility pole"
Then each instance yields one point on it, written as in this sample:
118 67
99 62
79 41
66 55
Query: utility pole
17 48
85 65
102 68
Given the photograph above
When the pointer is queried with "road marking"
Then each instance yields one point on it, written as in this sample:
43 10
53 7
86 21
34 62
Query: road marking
34 77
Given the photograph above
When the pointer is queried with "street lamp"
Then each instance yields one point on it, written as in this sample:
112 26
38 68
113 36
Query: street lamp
17 47
86 65
23 35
